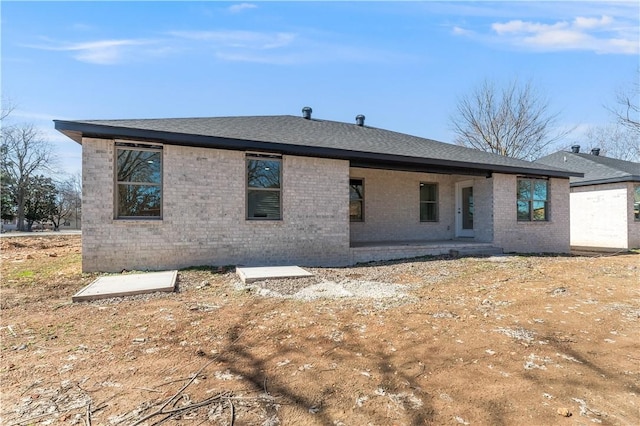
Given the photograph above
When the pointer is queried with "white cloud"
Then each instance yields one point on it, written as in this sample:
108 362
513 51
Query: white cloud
32 116
557 39
236 8
283 48
518 27
240 39
588 23
578 25
604 27
267 47
102 52
462 31
603 34
286 59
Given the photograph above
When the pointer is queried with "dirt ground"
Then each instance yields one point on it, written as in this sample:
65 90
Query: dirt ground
509 340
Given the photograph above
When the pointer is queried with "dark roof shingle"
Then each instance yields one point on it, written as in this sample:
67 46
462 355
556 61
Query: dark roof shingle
596 169
290 134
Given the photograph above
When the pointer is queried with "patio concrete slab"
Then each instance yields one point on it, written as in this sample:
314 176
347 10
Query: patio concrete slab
252 274
127 285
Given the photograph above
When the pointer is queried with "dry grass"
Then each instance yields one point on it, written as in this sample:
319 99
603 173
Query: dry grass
476 340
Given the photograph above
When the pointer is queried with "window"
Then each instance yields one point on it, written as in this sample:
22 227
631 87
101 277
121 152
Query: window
138 181
428 202
264 199
356 200
636 203
533 204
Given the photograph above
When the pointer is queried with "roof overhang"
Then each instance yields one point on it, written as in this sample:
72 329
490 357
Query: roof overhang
78 130
631 178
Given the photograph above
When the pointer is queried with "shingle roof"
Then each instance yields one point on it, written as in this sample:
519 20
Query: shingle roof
296 135
597 169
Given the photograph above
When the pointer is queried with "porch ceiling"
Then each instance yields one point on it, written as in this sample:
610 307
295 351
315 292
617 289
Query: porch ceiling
423 168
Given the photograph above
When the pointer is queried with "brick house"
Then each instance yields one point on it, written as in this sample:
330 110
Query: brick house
605 202
265 190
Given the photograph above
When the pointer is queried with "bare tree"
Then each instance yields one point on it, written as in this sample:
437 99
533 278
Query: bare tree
627 111
76 182
615 141
67 200
23 154
40 200
620 139
6 107
514 121
7 205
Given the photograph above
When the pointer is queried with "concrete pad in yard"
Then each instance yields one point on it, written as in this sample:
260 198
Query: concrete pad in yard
249 275
127 285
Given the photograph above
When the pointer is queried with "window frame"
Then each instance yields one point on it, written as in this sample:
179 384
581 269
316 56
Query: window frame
532 200
636 203
248 189
360 200
435 202
145 147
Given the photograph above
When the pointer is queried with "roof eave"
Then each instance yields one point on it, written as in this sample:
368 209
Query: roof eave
629 178
77 130
361 158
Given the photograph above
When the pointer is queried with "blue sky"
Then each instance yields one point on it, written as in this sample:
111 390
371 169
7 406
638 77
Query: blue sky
403 65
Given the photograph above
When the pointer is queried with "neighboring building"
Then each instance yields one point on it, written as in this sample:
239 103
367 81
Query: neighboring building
73 221
9 225
172 193
605 202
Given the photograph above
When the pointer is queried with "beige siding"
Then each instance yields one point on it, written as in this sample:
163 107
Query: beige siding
634 225
602 216
530 237
204 214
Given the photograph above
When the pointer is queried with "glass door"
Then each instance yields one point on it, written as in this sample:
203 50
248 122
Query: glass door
464 209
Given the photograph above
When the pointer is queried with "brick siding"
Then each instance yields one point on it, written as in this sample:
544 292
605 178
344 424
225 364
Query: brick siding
551 236
204 197
392 207
204 214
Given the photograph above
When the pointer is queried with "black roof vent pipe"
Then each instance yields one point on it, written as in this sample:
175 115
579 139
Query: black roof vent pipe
595 151
360 120
575 149
306 112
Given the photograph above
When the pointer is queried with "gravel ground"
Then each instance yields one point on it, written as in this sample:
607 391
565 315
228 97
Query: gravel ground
322 287
376 280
